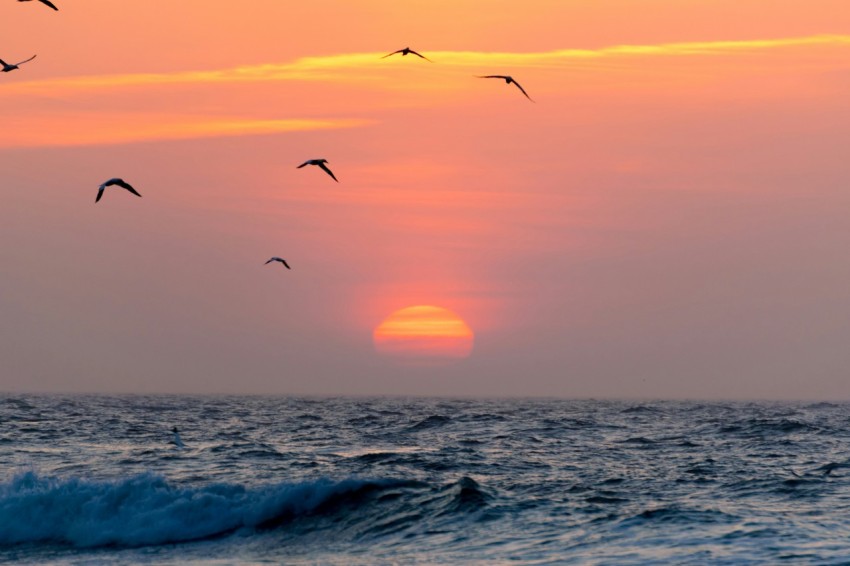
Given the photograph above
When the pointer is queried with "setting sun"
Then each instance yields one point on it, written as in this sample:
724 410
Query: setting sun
424 333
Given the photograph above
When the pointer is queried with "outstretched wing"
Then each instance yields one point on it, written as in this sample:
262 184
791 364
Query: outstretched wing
269 261
393 53
491 76
127 186
283 261
303 164
99 193
420 55
26 61
523 90
4 63
49 3
328 171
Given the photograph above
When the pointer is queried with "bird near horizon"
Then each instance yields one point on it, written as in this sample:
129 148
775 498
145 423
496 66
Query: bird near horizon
115 181
405 51
280 259
508 79
7 67
47 3
319 163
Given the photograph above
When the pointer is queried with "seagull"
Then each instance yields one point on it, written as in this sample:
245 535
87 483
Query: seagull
115 181
280 259
508 79
7 67
320 163
176 440
405 51
45 2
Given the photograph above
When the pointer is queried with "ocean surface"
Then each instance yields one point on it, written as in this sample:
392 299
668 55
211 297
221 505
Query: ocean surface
94 480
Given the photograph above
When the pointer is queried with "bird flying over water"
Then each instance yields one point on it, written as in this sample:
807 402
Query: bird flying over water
280 259
405 51
7 67
508 79
319 163
45 2
176 441
115 181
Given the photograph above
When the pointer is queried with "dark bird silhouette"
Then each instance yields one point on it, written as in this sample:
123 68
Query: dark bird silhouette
280 259
45 2
7 67
319 163
115 181
405 51
508 79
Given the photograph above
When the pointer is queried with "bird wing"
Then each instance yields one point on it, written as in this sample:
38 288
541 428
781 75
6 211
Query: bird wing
491 76
523 90
303 164
283 261
420 55
393 53
4 63
26 61
269 261
328 171
127 186
99 193
49 3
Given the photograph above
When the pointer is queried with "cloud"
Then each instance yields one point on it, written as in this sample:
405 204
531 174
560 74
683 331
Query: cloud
369 66
87 129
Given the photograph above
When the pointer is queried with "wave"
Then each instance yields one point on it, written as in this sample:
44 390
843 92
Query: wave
147 510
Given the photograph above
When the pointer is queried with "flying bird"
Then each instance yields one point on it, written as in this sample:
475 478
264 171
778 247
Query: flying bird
7 67
280 259
319 163
405 51
176 441
45 2
115 181
508 79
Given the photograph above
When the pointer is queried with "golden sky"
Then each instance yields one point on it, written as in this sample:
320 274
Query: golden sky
669 201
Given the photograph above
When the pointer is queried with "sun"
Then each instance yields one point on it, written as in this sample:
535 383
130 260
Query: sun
424 334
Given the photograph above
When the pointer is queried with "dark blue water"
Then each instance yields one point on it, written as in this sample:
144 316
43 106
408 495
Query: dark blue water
374 481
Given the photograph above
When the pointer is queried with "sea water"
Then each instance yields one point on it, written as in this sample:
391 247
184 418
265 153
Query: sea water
93 479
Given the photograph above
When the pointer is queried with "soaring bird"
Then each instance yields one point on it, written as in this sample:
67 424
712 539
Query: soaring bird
45 2
115 181
508 79
7 67
280 259
319 163
405 51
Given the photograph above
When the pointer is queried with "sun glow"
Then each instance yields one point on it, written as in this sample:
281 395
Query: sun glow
424 333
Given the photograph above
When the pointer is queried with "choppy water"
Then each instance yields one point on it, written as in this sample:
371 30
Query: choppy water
372 481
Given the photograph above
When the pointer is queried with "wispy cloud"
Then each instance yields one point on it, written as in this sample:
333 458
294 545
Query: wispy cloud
369 66
85 129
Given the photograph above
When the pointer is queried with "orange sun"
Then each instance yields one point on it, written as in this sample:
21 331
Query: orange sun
424 334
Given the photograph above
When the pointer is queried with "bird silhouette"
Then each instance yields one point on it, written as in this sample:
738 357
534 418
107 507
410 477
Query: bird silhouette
115 181
405 51
45 2
7 67
508 79
280 259
319 163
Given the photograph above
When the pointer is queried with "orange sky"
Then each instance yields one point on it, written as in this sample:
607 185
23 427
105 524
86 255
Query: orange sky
660 219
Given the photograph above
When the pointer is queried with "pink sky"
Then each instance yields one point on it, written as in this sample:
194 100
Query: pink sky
667 220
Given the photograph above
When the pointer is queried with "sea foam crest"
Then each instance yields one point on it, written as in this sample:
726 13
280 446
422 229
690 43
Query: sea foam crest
147 510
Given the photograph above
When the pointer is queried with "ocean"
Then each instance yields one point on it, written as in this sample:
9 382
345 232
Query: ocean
94 480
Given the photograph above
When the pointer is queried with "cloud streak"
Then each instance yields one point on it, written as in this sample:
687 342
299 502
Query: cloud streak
369 66
84 129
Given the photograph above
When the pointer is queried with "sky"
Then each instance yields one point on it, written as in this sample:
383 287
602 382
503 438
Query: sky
667 219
